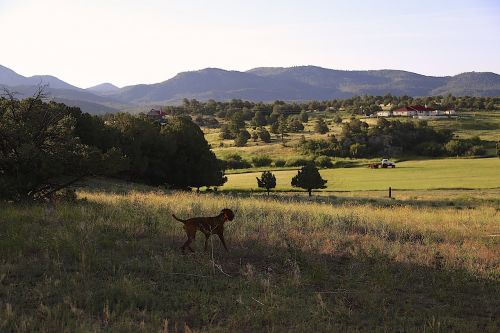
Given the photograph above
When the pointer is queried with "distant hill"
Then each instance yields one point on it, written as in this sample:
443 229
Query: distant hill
103 88
305 83
10 78
301 83
58 90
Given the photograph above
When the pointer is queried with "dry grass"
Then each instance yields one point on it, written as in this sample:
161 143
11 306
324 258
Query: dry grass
111 262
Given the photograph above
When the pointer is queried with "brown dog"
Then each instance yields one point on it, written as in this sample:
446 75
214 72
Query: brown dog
207 225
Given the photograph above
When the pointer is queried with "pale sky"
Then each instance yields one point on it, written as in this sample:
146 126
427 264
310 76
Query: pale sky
87 42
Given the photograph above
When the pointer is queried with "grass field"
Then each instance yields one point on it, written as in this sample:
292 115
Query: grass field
423 174
485 124
111 262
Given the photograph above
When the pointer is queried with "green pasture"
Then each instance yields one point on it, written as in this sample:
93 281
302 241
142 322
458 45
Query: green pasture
423 174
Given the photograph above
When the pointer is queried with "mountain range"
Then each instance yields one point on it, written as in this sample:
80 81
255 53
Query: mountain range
301 83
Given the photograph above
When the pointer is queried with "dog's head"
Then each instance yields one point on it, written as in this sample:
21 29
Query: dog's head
228 214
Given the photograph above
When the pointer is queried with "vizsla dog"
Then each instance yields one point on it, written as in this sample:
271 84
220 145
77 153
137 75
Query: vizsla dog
207 225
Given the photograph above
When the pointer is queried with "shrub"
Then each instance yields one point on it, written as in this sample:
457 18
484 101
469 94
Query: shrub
476 151
324 162
321 127
430 149
279 163
295 126
242 138
264 135
297 162
260 161
235 162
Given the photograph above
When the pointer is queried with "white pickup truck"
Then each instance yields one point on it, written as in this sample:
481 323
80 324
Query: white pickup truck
385 163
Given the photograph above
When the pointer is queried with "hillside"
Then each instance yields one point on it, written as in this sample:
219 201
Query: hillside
103 88
302 83
305 83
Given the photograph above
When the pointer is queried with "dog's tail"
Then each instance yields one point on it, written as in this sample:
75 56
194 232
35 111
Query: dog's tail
178 219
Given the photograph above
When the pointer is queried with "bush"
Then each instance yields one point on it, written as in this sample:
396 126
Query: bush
295 126
279 163
235 162
297 162
264 135
476 151
337 119
321 127
430 149
242 138
323 162
260 161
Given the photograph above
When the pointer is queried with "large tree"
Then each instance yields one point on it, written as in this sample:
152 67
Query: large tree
308 178
39 151
192 163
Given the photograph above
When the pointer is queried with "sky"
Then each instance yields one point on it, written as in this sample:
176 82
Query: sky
125 42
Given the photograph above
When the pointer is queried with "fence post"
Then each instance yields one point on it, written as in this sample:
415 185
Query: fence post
390 192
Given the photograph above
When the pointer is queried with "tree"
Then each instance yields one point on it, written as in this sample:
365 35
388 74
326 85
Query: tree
337 119
357 150
304 117
267 180
295 126
192 163
259 119
282 127
39 151
321 127
264 135
242 138
308 178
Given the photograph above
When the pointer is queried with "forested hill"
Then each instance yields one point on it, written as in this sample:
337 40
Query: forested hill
302 83
306 83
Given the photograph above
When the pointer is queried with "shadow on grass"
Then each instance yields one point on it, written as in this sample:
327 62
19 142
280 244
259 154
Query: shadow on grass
107 275
336 198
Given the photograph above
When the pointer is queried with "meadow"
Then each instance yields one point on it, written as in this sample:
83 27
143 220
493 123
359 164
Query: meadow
417 174
347 259
111 262
485 124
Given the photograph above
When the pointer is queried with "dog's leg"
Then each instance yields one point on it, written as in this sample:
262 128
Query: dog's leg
186 245
207 236
221 236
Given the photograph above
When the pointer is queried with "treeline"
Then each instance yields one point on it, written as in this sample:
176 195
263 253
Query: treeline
47 146
356 105
391 138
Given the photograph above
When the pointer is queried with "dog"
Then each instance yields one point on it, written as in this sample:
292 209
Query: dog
207 225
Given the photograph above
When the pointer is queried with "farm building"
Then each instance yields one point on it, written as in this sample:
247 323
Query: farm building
384 113
155 114
416 111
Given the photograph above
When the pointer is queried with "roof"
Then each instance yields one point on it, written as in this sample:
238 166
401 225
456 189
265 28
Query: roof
155 112
415 108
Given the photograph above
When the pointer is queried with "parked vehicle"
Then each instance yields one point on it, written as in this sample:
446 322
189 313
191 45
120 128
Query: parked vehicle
385 163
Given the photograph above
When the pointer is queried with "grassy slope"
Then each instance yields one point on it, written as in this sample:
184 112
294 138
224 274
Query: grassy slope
425 174
112 263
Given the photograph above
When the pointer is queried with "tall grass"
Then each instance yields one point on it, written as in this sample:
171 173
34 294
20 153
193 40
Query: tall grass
112 262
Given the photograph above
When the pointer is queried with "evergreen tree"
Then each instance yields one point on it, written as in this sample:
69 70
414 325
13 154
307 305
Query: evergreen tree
267 180
321 127
308 178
